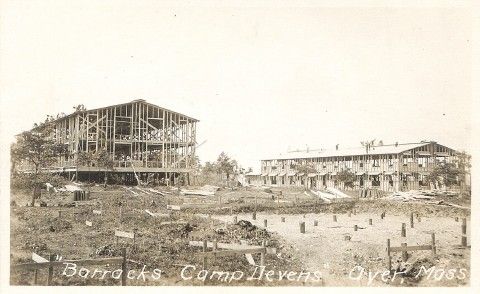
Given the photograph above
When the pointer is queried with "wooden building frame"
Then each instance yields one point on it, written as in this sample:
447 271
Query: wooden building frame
141 138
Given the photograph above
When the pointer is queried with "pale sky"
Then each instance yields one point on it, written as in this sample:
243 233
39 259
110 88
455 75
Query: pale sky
260 80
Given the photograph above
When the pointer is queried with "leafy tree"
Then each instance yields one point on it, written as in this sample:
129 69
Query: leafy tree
39 149
446 173
226 165
103 159
305 168
346 177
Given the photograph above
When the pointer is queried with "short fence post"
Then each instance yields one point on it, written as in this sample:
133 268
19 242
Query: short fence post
355 228
464 232
215 247
434 249
59 214
50 270
254 215
124 266
283 219
204 249
335 218
389 258
35 277
262 254
404 230
404 252
381 215
370 222
411 220
302 227
315 223
456 218
265 223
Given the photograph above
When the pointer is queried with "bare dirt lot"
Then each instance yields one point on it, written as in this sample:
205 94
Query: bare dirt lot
162 241
324 247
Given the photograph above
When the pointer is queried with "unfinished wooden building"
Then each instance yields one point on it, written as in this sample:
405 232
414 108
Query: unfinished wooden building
144 140
394 167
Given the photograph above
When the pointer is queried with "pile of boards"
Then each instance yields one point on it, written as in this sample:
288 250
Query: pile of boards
331 194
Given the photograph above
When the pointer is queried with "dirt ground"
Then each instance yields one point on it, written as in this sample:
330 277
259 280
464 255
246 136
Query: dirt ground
321 249
324 247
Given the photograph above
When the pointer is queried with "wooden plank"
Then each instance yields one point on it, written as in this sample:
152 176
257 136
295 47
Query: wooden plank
250 259
411 248
173 207
124 234
228 246
81 262
230 252
37 258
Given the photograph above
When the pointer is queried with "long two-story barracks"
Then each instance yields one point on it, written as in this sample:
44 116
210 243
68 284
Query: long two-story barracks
393 167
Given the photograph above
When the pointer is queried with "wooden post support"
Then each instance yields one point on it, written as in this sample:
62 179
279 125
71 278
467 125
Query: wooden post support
464 232
355 228
370 221
411 220
124 266
50 270
35 277
204 249
59 214
215 247
464 241
389 257
404 252
315 223
335 218
283 219
404 230
254 215
265 223
302 227
262 254
234 219
456 218
434 248
381 216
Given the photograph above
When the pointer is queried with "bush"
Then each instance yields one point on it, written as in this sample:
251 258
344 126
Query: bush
20 181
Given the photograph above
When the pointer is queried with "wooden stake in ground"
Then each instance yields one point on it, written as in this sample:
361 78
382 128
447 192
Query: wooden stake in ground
315 223
302 227
265 223
404 252
334 218
124 267
464 232
411 220
355 228
404 230
434 248
254 215
370 222
283 219
50 270
389 258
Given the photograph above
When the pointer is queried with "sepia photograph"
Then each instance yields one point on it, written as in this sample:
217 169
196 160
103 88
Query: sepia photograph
264 144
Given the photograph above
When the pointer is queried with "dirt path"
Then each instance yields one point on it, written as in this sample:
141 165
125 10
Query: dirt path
324 248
